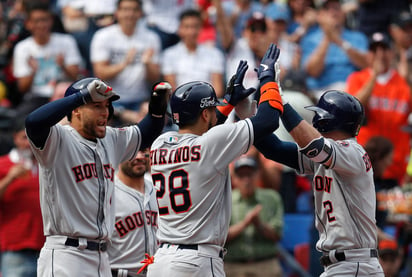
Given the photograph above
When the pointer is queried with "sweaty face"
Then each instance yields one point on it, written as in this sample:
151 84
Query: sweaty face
93 119
138 166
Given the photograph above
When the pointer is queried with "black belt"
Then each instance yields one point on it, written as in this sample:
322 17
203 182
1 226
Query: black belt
115 273
193 247
91 245
340 256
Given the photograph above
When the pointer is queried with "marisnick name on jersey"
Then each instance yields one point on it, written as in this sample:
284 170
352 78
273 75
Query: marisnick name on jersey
179 155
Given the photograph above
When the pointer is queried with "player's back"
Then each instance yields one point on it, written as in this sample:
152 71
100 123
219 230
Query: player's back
192 179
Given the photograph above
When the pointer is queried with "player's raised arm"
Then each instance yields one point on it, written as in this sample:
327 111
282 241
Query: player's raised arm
39 122
270 102
152 124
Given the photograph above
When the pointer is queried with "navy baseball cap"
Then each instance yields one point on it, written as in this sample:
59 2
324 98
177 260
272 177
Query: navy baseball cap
256 22
379 39
403 19
245 161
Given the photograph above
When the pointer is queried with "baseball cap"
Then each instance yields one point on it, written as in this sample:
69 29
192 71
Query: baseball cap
245 161
256 22
388 246
403 19
277 11
379 39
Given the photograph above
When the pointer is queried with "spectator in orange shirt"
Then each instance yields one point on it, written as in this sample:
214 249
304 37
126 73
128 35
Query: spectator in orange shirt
386 97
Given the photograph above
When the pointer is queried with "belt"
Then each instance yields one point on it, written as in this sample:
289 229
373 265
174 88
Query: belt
340 256
193 247
115 273
91 245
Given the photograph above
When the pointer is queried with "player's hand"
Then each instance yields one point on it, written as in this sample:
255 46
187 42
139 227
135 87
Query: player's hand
98 91
267 65
235 91
161 92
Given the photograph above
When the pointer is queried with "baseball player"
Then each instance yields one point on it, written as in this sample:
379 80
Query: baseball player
190 170
344 195
77 165
136 219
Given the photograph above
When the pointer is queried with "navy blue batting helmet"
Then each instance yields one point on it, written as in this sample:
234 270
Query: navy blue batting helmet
81 85
189 99
337 110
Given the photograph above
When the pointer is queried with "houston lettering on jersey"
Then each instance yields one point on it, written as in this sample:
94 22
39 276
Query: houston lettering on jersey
179 155
88 171
134 221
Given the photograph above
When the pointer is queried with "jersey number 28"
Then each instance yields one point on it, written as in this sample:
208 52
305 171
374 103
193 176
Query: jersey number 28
176 187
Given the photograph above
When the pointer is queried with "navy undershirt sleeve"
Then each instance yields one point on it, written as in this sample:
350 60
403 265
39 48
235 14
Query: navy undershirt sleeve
283 152
266 120
39 122
150 128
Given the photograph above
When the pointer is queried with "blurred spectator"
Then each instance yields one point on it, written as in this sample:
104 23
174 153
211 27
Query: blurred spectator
43 59
239 12
256 225
380 151
136 219
190 61
250 47
82 18
375 15
390 257
126 55
21 231
163 18
332 52
208 14
277 19
401 32
303 18
386 97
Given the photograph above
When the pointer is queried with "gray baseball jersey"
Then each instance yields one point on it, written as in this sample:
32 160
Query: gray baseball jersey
77 180
136 225
191 175
344 198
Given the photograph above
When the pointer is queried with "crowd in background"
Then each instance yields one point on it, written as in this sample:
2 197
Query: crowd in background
363 47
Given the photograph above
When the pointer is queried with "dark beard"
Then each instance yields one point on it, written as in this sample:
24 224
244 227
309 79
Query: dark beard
128 171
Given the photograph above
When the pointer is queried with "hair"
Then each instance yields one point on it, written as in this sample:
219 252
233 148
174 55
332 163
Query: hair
18 124
137 1
378 148
31 6
190 13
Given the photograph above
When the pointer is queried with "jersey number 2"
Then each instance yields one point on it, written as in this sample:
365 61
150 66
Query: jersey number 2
177 186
